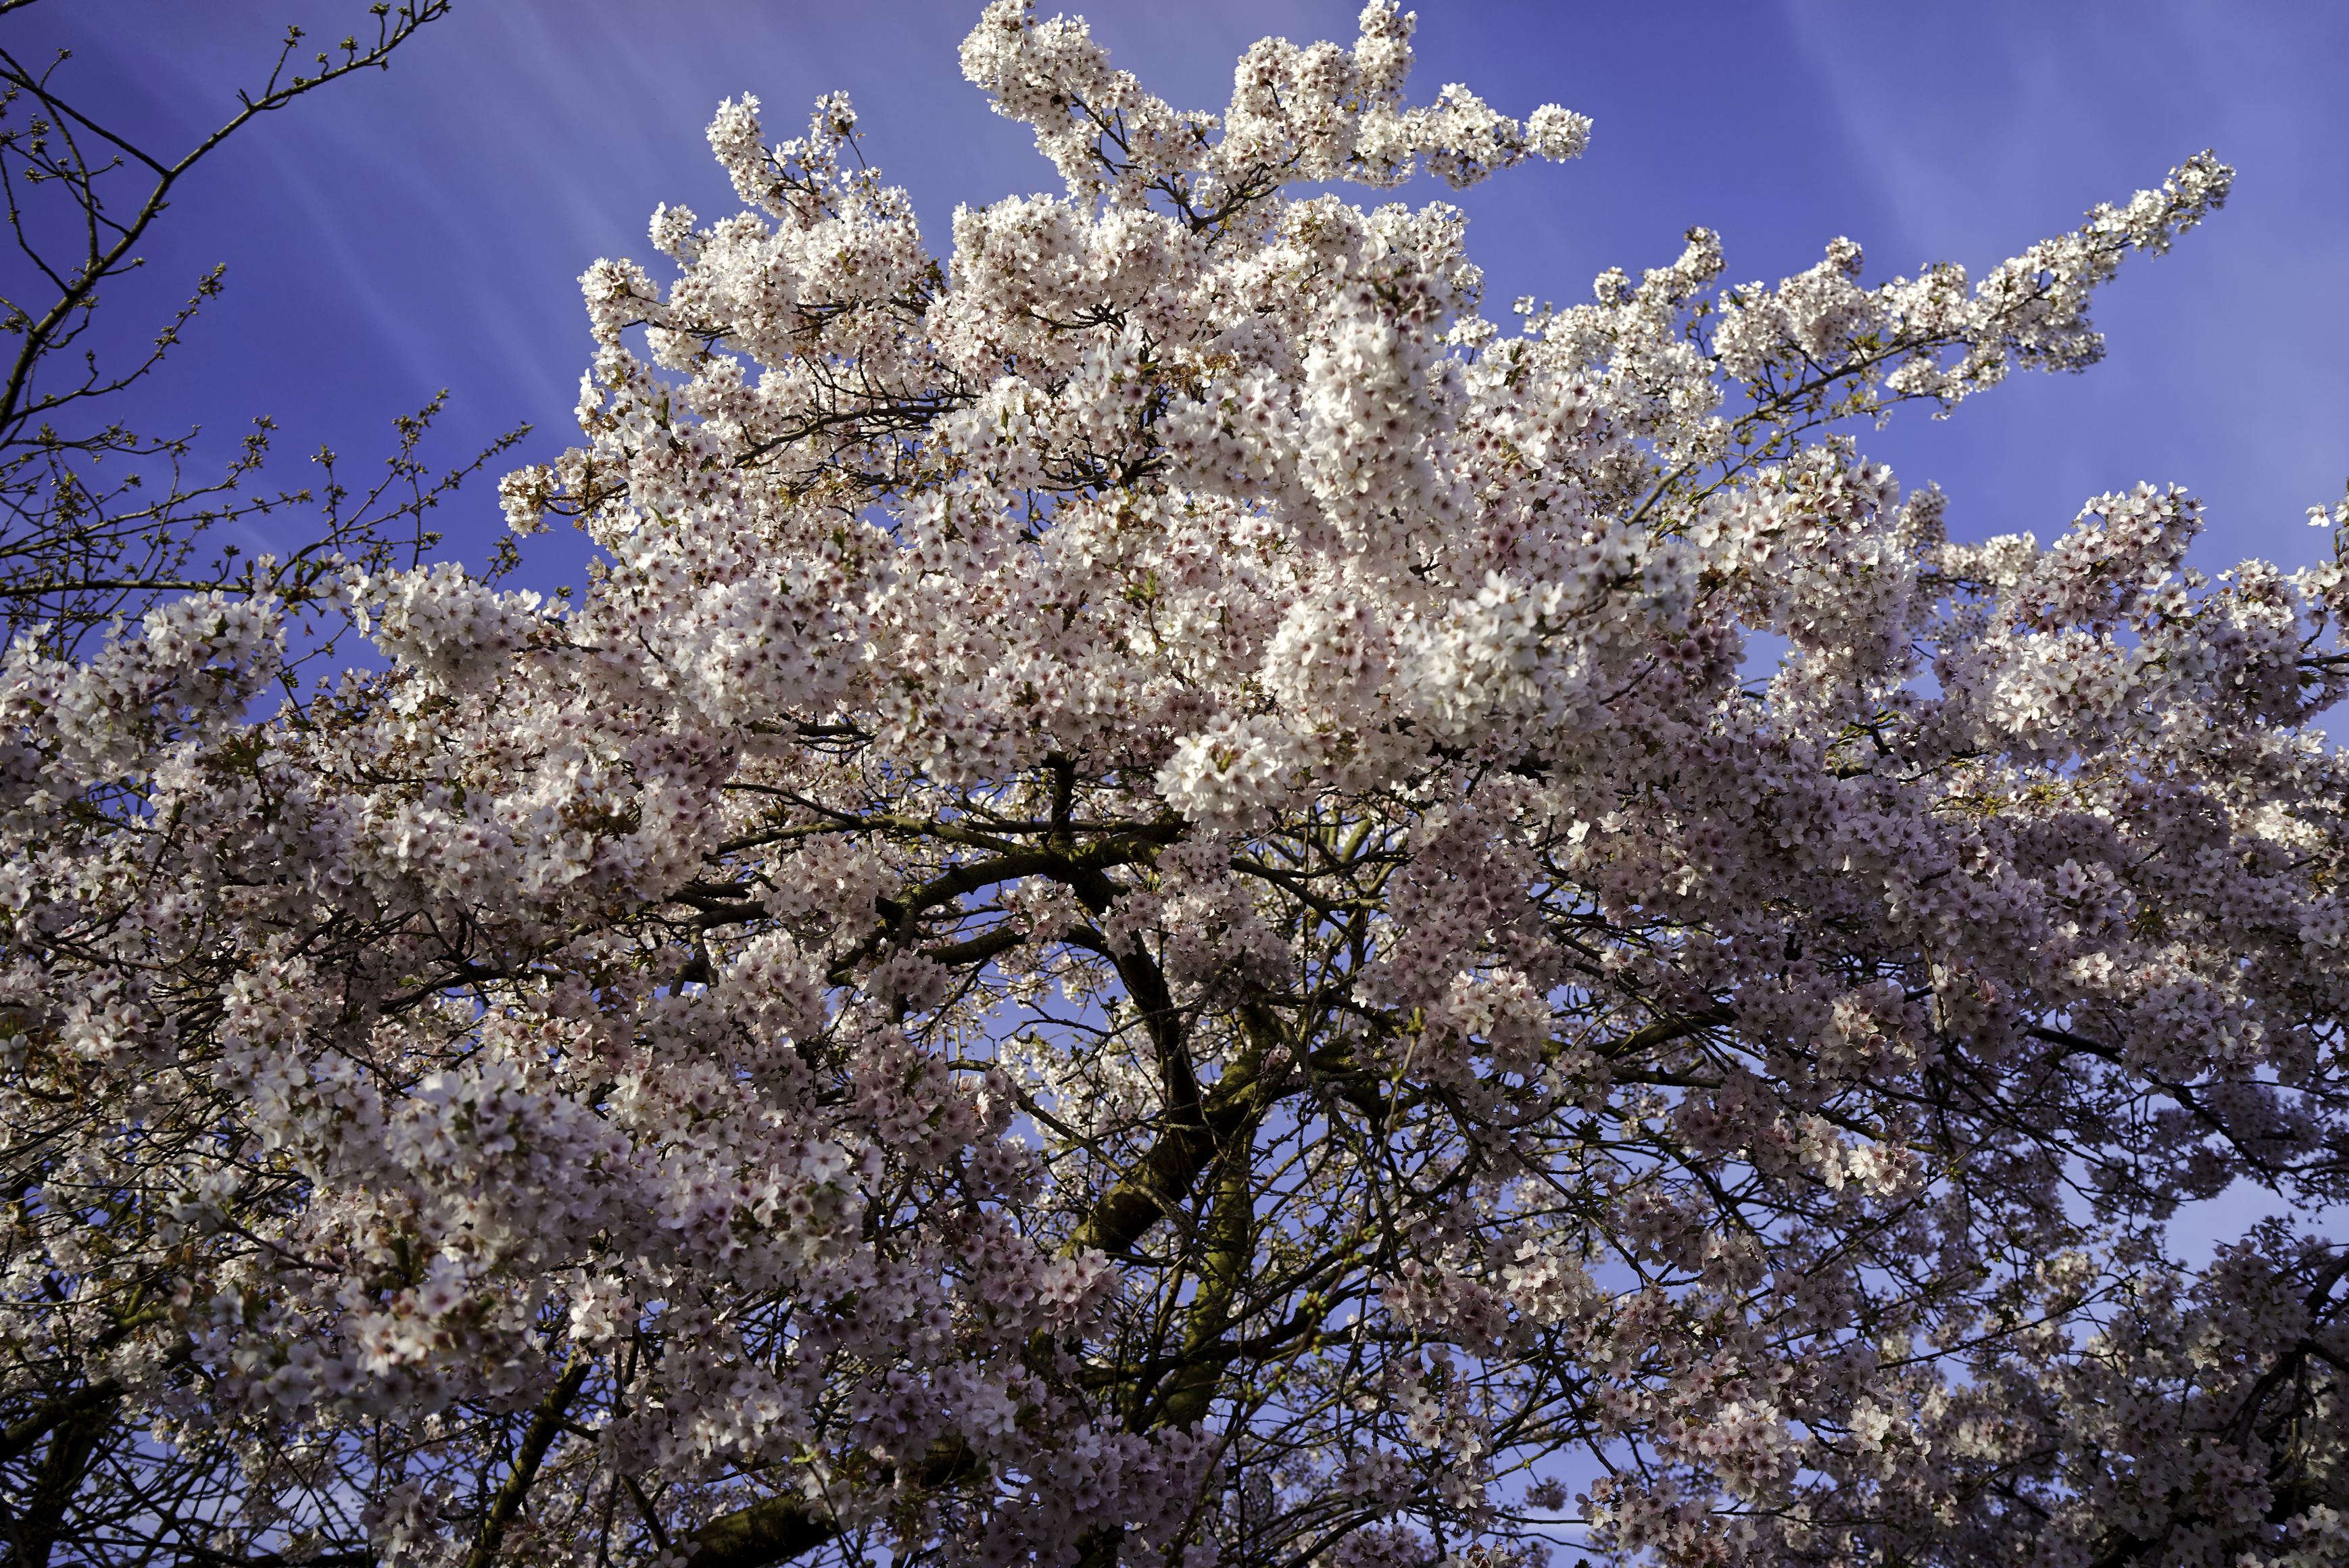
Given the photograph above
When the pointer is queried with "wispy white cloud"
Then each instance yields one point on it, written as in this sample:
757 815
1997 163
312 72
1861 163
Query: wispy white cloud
1978 128
426 227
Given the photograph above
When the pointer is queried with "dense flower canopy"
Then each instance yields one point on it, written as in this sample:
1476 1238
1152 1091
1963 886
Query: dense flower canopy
1152 911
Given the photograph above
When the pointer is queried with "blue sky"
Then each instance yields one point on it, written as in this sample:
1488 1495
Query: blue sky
424 227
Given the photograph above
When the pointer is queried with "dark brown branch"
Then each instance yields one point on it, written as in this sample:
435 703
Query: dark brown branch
785 1527
21 1436
544 1427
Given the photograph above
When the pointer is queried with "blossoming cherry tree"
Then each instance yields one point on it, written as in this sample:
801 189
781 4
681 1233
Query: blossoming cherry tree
1151 915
